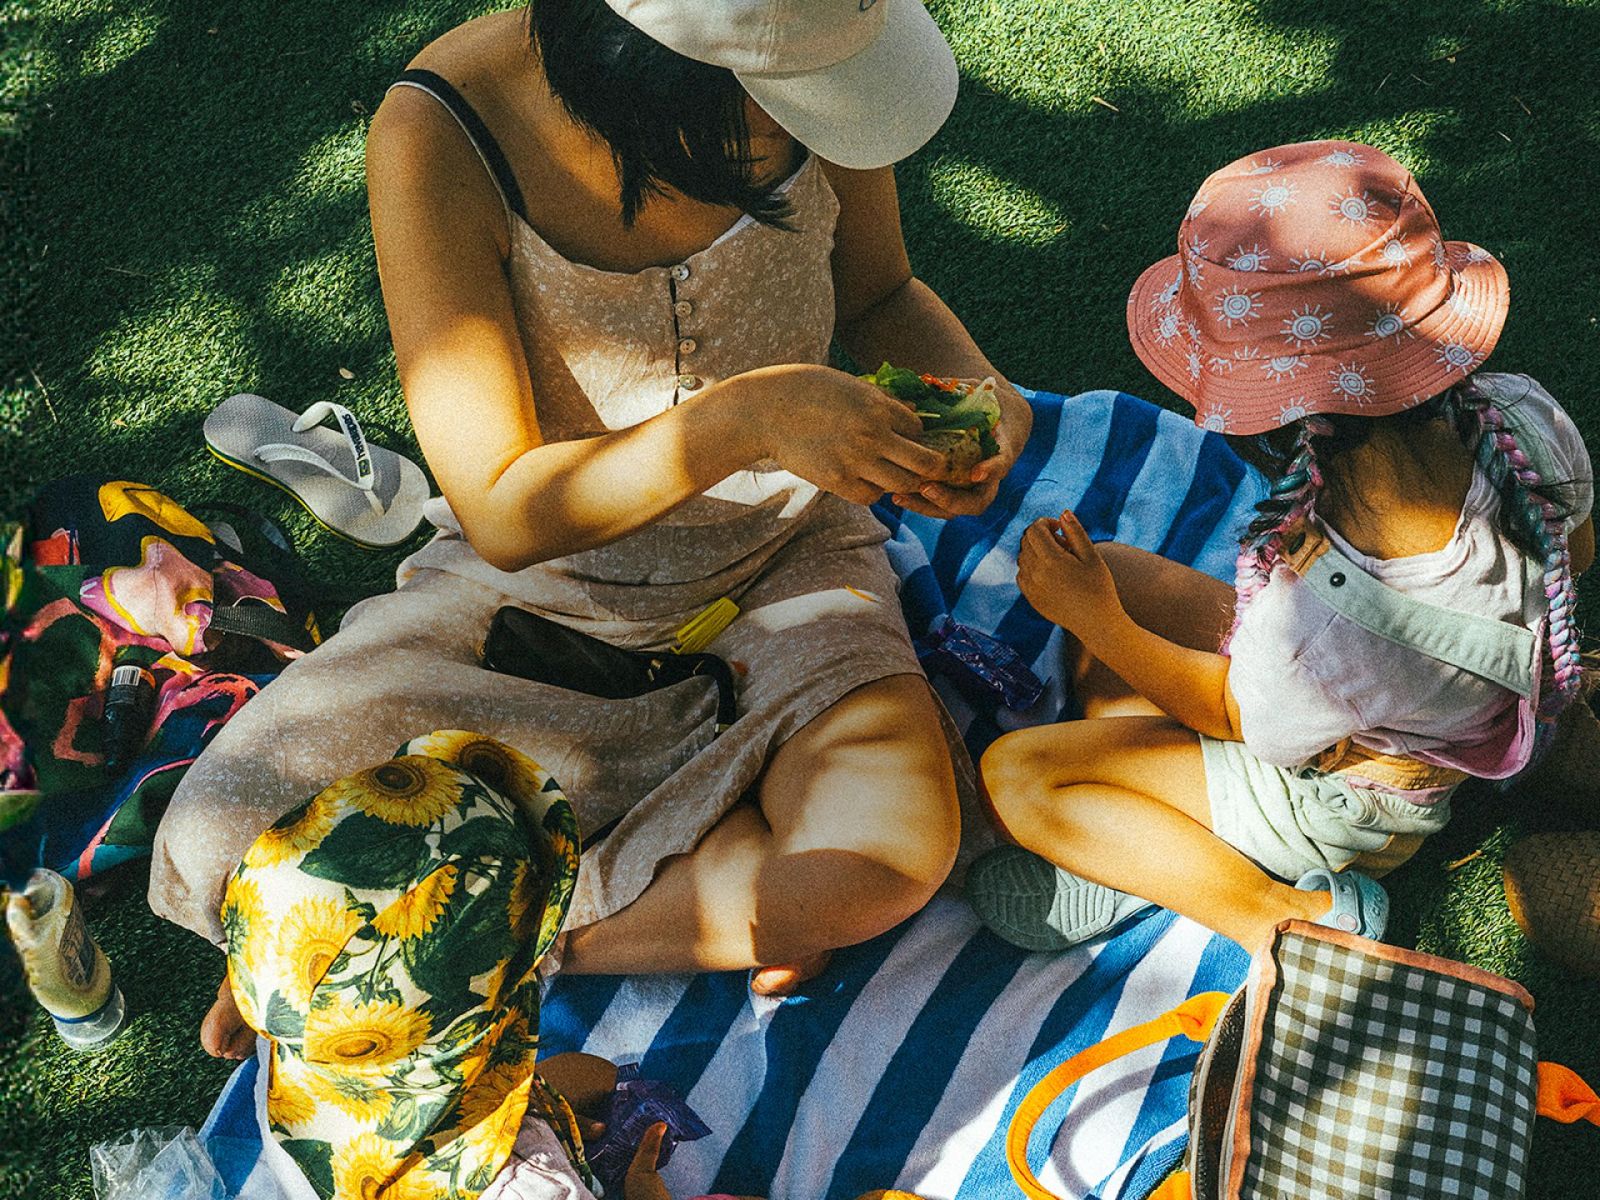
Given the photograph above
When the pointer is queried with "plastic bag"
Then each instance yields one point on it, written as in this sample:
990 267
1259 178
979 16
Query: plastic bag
637 1104
155 1164
982 668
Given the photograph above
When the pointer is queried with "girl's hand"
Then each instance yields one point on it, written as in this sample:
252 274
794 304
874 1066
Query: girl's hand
945 500
585 1083
1064 576
839 432
642 1181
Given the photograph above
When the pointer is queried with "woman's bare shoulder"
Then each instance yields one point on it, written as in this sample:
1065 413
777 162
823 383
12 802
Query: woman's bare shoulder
414 143
490 62
420 164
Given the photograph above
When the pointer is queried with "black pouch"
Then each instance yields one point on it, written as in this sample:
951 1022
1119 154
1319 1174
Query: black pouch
532 647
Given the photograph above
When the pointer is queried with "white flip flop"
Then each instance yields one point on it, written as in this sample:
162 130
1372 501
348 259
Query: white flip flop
378 506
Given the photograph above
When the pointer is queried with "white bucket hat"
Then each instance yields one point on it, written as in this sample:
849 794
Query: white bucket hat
863 83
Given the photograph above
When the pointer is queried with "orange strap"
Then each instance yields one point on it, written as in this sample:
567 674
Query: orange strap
1566 1098
1192 1019
1174 1187
1563 1096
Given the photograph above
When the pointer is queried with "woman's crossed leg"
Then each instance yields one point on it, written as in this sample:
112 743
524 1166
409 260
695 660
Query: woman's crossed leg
854 827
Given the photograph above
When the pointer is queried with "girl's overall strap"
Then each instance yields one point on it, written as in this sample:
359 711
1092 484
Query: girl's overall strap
1498 651
494 159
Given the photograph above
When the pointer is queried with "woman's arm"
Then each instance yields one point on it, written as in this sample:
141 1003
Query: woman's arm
885 313
441 240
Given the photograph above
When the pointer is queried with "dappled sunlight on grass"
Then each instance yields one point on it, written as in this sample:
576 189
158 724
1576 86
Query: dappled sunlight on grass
331 173
125 33
1470 920
1196 56
1409 138
391 34
340 280
998 208
132 354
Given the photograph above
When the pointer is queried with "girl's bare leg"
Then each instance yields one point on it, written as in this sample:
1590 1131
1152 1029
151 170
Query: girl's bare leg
1122 801
855 829
1183 605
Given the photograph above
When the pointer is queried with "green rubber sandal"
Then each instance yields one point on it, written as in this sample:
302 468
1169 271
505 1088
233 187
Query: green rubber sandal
1034 904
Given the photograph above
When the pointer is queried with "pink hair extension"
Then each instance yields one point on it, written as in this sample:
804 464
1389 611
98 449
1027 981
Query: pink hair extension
1509 467
1296 489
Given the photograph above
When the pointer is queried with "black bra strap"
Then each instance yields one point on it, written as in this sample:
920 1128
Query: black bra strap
477 132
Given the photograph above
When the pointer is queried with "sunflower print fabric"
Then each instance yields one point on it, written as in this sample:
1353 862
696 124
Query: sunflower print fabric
383 937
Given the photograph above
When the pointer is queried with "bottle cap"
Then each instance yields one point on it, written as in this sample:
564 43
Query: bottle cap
98 1028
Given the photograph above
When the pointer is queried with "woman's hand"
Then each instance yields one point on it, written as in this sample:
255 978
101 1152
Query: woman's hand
945 500
839 432
1064 576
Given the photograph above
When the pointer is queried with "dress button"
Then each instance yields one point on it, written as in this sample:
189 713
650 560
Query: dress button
683 308
680 272
687 346
1336 579
688 382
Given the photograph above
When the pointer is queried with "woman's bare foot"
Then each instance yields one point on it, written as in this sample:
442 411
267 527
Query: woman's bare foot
223 1033
782 978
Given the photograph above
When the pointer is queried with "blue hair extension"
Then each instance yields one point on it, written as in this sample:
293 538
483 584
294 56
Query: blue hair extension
1509 469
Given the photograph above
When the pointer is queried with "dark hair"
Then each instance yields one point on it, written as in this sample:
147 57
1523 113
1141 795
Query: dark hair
1533 510
670 121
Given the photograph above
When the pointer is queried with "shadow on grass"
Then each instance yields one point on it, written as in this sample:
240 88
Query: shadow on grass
199 218
197 226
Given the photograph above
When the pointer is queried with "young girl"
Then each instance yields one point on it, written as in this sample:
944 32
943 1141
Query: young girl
1403 612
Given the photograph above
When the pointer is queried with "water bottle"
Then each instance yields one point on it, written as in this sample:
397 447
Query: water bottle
68 972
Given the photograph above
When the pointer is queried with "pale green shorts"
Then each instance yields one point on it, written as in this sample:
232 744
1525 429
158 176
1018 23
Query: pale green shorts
1293 821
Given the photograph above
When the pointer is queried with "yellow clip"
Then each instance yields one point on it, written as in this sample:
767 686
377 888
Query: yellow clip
10 566
704 628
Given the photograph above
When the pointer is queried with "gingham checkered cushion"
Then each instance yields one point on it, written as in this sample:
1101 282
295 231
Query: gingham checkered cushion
1381 1079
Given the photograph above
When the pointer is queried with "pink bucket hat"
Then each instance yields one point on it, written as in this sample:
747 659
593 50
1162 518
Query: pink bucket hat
1313 278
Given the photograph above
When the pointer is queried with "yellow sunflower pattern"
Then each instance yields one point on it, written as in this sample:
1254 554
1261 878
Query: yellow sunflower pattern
491 762
244 918
489 1139
289 1102
358 1098
410 790
384 936
489 1091
299 830
373 1034
416 912
311 936
364 1169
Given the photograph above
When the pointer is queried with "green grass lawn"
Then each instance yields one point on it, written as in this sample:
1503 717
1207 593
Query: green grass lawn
184 217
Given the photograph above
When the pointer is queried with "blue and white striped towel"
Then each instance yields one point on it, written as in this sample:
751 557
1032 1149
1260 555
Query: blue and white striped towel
901 1065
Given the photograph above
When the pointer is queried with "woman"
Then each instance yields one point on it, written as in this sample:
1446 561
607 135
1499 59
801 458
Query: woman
612 278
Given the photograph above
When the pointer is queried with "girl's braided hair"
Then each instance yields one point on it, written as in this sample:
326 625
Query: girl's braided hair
1533 510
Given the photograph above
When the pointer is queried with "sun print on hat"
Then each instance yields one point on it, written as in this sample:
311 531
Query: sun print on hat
1309 278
